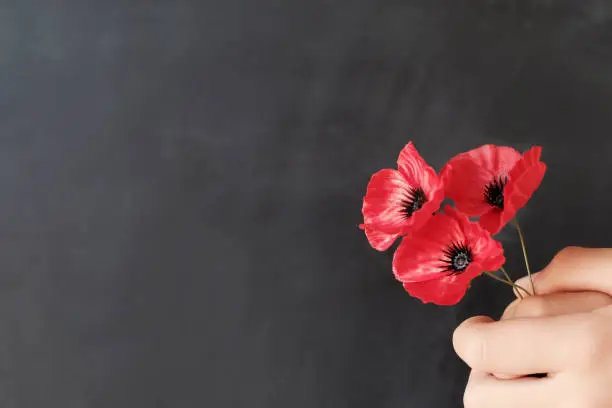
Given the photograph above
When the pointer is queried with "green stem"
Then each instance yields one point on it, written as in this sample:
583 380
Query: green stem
508 282
506 273
517 286
522 239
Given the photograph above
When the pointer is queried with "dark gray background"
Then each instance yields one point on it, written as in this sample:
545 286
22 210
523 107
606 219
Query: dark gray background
182 180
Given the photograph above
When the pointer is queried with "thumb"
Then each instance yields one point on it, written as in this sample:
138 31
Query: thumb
575 269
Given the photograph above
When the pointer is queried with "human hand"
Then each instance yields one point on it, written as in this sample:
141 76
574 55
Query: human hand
565 331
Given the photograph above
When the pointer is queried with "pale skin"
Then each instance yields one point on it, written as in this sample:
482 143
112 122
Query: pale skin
564 332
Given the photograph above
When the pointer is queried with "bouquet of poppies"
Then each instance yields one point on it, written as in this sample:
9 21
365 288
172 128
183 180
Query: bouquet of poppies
444 248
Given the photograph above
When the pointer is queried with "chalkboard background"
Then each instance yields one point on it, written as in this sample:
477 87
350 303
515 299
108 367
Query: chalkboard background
182 180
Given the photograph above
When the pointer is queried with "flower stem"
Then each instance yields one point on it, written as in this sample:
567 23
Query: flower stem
506 274
508 282
516 286
522 239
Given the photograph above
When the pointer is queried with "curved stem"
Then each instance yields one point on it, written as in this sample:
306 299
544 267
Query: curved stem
516 286
523 289
509 283
506 274
522 239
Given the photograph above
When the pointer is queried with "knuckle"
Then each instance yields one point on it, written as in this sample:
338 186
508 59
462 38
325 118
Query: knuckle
474 352
479 353
469 344
566 253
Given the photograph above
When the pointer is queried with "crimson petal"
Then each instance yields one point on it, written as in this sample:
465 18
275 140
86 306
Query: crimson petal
378 239
415 170
389 209
447 291
421 261
467 175
525 178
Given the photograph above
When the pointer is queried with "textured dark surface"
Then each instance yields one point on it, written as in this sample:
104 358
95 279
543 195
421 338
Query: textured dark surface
181 183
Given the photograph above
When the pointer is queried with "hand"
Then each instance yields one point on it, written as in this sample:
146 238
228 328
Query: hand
565 331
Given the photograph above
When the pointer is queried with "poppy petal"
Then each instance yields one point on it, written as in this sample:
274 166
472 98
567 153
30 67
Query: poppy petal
416 170
379 240
495 159
467 175
419 256
522 189
382 205
493 263
525 179
385 209
421 261
492 221
488 253
530 158
444 292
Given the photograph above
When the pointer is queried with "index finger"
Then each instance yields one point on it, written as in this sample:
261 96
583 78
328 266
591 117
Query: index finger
576 269
520 346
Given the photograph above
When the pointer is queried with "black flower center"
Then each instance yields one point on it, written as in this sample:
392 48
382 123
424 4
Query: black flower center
494 192
457 257
413 200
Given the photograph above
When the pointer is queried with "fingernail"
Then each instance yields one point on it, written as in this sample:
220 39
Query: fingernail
525 281
522 281
506 376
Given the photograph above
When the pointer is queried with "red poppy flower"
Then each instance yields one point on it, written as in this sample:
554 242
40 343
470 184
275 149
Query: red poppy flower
437 263
399 202
493 182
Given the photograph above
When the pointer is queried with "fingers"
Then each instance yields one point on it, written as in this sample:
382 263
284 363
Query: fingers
521 346
486 391
575 269
555 304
